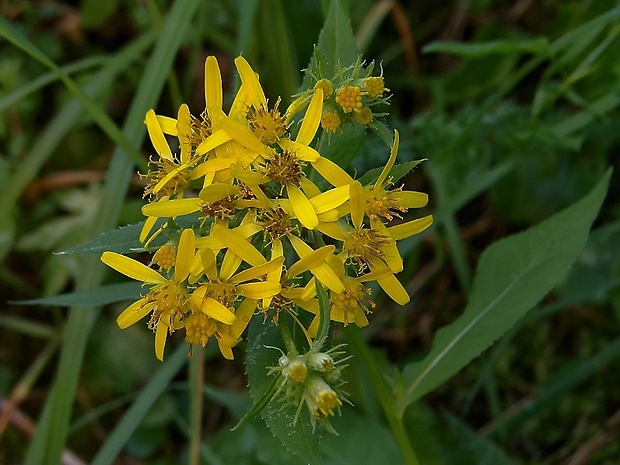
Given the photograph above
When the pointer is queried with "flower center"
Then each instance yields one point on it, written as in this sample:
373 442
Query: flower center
284 167
221 209
381 202
275 223
363 245
268 126
163 169
220 290
170 304
349 98
200 129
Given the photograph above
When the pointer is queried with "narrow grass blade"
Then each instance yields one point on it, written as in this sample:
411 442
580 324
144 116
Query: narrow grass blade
50 438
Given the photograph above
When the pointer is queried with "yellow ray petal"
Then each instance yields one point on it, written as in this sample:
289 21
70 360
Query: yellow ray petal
230 264
239 245
132 268
168 125
335 175
211 166
312 119
134 313
157 136
408 229
213 88
250 82
243 135
217 311
304 211
332 229
410 199
311 260
258 271
394 289
330 199
185 255
170 208
225 348
301 151
184 129
391 255
322 272
309 188
171 174
386 169
259 290
215 140
357 202
161 333
149 223
215 192
207 257
243 315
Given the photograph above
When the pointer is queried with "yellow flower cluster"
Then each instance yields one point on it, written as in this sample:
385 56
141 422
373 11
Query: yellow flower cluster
248 231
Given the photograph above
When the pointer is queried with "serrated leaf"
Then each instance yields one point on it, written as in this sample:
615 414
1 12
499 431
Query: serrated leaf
299 438
336 46
96 297
484 49
122 240
396 173
512 276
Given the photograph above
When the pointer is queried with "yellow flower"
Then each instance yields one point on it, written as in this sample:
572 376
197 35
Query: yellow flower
167 300
171 175
375 86
224 288
377 201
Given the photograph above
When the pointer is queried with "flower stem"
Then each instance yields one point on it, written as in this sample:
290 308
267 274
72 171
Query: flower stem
197 380
287 338
383 391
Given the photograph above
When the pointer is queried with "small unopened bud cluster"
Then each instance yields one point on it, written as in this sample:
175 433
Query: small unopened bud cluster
313 378
350 96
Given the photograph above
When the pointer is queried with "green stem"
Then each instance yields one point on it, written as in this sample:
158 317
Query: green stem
197 381
384 394
287 338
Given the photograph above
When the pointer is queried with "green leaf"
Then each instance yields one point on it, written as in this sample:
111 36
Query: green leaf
121 240
513 275
336 46
396 173
497 47
279 417
96 297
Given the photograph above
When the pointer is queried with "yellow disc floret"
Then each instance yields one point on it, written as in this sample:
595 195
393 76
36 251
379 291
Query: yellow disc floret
199 328
364 116
330 121
327 86
165 257
349 98
268 125
375 86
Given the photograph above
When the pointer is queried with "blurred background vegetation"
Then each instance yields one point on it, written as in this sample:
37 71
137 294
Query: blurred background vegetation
513 103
